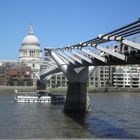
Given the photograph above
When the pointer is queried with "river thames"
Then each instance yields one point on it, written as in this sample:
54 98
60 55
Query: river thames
113 115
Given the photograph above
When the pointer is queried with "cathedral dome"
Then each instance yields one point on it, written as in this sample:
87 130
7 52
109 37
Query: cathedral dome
30 52
30 41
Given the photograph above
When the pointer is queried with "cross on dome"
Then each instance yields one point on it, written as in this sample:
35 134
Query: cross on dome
30 30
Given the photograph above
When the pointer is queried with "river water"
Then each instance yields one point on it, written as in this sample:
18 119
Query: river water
113 115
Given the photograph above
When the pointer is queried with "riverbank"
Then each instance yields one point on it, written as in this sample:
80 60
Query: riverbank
97 90
11 89
112 89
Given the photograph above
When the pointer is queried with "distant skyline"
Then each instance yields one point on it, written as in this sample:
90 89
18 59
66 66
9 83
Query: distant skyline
60 23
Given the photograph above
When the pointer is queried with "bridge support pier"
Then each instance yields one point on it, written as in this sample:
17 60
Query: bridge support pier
77 99
41 85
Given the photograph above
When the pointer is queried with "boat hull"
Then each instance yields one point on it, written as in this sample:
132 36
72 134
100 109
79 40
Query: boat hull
32 99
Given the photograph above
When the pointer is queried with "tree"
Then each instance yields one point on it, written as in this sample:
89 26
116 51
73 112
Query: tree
29 82
108 83
10 81
20 82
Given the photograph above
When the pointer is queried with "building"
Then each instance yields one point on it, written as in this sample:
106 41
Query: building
100 77
19 76
57 80
5 65
127 76
30 52
21 72
12 74
10 62
3 76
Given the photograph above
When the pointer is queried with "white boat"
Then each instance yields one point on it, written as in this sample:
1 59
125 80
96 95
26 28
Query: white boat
31 98
38 97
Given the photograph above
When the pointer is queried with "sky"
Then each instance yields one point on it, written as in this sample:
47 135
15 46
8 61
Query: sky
60 23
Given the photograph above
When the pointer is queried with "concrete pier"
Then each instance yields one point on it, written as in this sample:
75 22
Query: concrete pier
77 99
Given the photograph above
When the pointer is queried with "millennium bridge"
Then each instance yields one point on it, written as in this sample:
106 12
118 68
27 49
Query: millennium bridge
78 61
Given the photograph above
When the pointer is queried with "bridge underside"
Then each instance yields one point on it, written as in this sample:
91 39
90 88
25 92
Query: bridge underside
88 54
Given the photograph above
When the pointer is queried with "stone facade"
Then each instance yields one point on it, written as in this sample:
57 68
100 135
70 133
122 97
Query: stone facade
30 52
